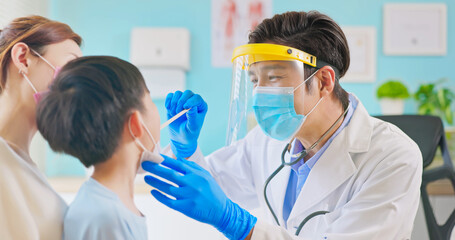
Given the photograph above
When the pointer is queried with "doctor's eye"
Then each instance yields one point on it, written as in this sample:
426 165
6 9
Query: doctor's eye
274 78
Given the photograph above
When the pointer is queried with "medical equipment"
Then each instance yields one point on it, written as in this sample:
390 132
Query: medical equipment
302 154
275 113
165 124
264 65
184 131
146 154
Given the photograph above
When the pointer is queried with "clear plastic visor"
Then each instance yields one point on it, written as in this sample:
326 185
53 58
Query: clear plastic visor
248 73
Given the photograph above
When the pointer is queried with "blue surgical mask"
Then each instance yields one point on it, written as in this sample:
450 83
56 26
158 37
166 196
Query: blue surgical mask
275 112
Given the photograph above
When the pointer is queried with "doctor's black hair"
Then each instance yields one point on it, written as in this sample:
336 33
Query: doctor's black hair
88 104
311 32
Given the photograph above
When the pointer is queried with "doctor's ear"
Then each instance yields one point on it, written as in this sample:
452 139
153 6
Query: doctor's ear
134 125
20 57
326 75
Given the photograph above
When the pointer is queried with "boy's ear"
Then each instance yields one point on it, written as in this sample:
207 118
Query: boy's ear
134 125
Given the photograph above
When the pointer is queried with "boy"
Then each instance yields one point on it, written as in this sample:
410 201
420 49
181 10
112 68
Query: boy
99 110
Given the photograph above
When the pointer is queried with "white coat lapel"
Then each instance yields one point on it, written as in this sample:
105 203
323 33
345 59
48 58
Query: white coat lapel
331 170
336 165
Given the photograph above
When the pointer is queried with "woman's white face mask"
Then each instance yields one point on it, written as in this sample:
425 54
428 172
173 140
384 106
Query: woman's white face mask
146 155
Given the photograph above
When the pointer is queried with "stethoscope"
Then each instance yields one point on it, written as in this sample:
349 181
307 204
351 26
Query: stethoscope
302 154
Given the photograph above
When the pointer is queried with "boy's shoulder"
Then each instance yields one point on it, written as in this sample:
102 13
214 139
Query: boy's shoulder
92 214
93 202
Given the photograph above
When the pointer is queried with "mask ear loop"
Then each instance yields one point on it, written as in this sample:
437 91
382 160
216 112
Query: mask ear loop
320 100
148 132
305 80
25 76
42 58
136 140
290 142
28 80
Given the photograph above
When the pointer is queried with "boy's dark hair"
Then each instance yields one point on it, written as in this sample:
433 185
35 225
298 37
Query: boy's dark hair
311 32
87 106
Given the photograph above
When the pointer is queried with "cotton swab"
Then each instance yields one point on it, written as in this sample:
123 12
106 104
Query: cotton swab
173 118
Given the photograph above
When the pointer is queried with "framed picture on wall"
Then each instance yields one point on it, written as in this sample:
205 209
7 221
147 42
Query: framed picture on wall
232 20
363 48
415 29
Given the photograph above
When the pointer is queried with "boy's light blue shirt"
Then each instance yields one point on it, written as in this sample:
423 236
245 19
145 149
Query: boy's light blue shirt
98 213
301 170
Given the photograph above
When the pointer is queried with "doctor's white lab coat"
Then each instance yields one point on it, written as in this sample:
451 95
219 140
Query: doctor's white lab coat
368 179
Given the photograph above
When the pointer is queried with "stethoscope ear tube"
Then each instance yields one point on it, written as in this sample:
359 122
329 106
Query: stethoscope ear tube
314 214
303 154
268 203
308 219
265 192
282 165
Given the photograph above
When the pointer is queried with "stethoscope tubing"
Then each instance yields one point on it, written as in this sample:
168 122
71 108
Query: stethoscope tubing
303 154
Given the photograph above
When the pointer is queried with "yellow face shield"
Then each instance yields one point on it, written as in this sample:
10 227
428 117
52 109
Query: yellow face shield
260 52
263 65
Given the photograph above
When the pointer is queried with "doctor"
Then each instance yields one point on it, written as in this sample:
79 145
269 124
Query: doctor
317 164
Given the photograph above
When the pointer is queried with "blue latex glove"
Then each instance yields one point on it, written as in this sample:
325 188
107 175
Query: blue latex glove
198 196
184 131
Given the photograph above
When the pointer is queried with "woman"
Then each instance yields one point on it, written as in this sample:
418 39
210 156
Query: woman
31 51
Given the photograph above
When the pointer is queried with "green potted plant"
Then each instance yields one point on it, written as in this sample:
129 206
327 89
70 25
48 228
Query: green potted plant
391 95
433 99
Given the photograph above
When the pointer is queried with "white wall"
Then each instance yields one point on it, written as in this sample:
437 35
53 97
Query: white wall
10 9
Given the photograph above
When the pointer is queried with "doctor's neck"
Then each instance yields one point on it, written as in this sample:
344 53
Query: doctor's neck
17 118
318 123
118 173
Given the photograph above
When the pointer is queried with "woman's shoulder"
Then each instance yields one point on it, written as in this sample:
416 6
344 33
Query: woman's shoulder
6 152
10 158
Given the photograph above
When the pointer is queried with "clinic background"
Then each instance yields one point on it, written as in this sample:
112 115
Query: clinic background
105 26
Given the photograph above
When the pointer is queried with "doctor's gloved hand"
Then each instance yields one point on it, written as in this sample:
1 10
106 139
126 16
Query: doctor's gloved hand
184 132
198 196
